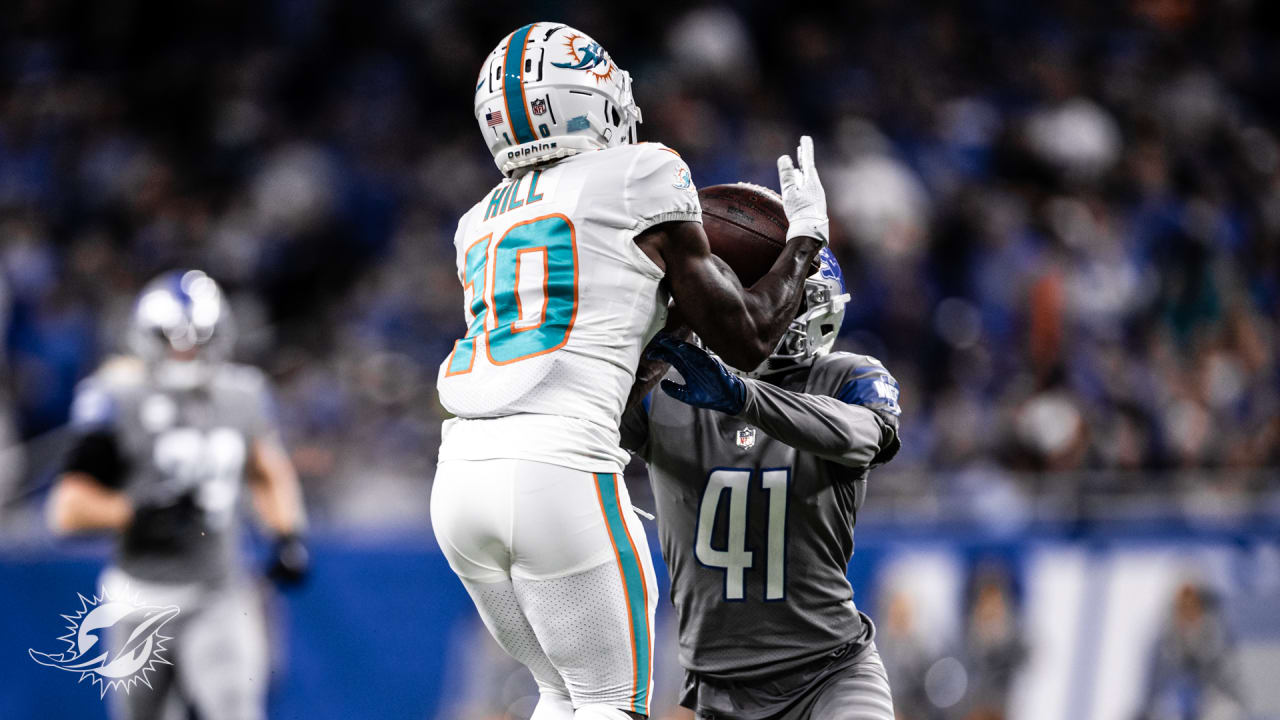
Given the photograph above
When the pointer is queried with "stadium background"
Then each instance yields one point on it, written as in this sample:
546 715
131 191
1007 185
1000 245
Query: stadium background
1060 222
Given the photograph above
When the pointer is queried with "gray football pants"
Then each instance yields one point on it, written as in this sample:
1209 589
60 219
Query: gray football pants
218 653
854 691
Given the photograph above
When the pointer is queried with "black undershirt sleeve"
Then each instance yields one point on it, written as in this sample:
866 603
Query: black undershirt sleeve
97 454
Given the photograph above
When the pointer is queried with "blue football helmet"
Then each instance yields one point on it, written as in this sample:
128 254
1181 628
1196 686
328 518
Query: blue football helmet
182 327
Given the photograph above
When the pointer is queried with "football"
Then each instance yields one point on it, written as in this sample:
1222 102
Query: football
746 226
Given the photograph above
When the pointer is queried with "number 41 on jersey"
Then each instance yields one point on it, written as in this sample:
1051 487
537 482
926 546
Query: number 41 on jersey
735 559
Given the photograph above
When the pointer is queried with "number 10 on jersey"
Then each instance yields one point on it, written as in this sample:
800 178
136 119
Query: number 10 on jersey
527 304
735 559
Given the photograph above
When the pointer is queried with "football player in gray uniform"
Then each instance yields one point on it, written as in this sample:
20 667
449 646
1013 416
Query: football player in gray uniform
166 441
758 478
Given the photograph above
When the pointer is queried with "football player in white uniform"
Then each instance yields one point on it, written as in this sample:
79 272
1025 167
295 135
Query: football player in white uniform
567 267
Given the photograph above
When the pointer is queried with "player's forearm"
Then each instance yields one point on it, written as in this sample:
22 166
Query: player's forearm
79 503
774 299
740 325
647 376
276 492
829 428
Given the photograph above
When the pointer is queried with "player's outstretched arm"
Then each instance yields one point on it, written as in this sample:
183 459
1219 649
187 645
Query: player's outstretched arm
743 326
857 426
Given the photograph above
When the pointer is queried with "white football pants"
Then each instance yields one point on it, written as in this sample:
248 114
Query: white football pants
559 568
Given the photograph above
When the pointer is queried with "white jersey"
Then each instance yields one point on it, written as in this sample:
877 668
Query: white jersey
559 302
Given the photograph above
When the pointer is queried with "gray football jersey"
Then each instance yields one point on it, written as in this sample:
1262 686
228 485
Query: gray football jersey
174 444
756 515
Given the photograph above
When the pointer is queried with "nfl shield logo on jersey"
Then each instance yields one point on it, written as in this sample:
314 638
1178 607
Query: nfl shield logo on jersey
539 106
746 438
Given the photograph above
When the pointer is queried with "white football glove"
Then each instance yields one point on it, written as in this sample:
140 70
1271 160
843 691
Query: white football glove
803 198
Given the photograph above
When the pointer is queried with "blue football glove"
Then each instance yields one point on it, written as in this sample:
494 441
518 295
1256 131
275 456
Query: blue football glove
290 560
708 383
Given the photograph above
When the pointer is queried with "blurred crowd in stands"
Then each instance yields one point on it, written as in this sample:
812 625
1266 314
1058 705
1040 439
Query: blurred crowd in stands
1060 221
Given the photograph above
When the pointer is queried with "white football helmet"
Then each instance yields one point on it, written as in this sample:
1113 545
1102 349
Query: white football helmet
182 328
549 91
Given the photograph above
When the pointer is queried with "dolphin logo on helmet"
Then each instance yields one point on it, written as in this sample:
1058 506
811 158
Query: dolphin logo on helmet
588 57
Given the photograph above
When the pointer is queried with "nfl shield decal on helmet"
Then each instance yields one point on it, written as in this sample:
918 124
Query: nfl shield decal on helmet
539 106
746 438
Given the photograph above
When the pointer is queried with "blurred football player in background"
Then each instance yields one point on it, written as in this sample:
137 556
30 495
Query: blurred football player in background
1195 673
993 647
758 478
568 266
166 440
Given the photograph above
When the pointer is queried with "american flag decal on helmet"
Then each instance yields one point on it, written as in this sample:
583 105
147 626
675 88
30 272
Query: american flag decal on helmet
493 118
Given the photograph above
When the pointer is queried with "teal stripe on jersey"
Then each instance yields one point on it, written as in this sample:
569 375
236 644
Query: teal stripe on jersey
633 585
512 80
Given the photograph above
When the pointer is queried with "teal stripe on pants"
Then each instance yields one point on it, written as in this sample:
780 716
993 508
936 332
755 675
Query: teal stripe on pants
633 585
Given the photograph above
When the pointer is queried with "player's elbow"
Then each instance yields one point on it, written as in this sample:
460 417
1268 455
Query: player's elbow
60 512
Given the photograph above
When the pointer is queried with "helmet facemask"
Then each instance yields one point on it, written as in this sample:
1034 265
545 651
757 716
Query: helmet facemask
630 116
